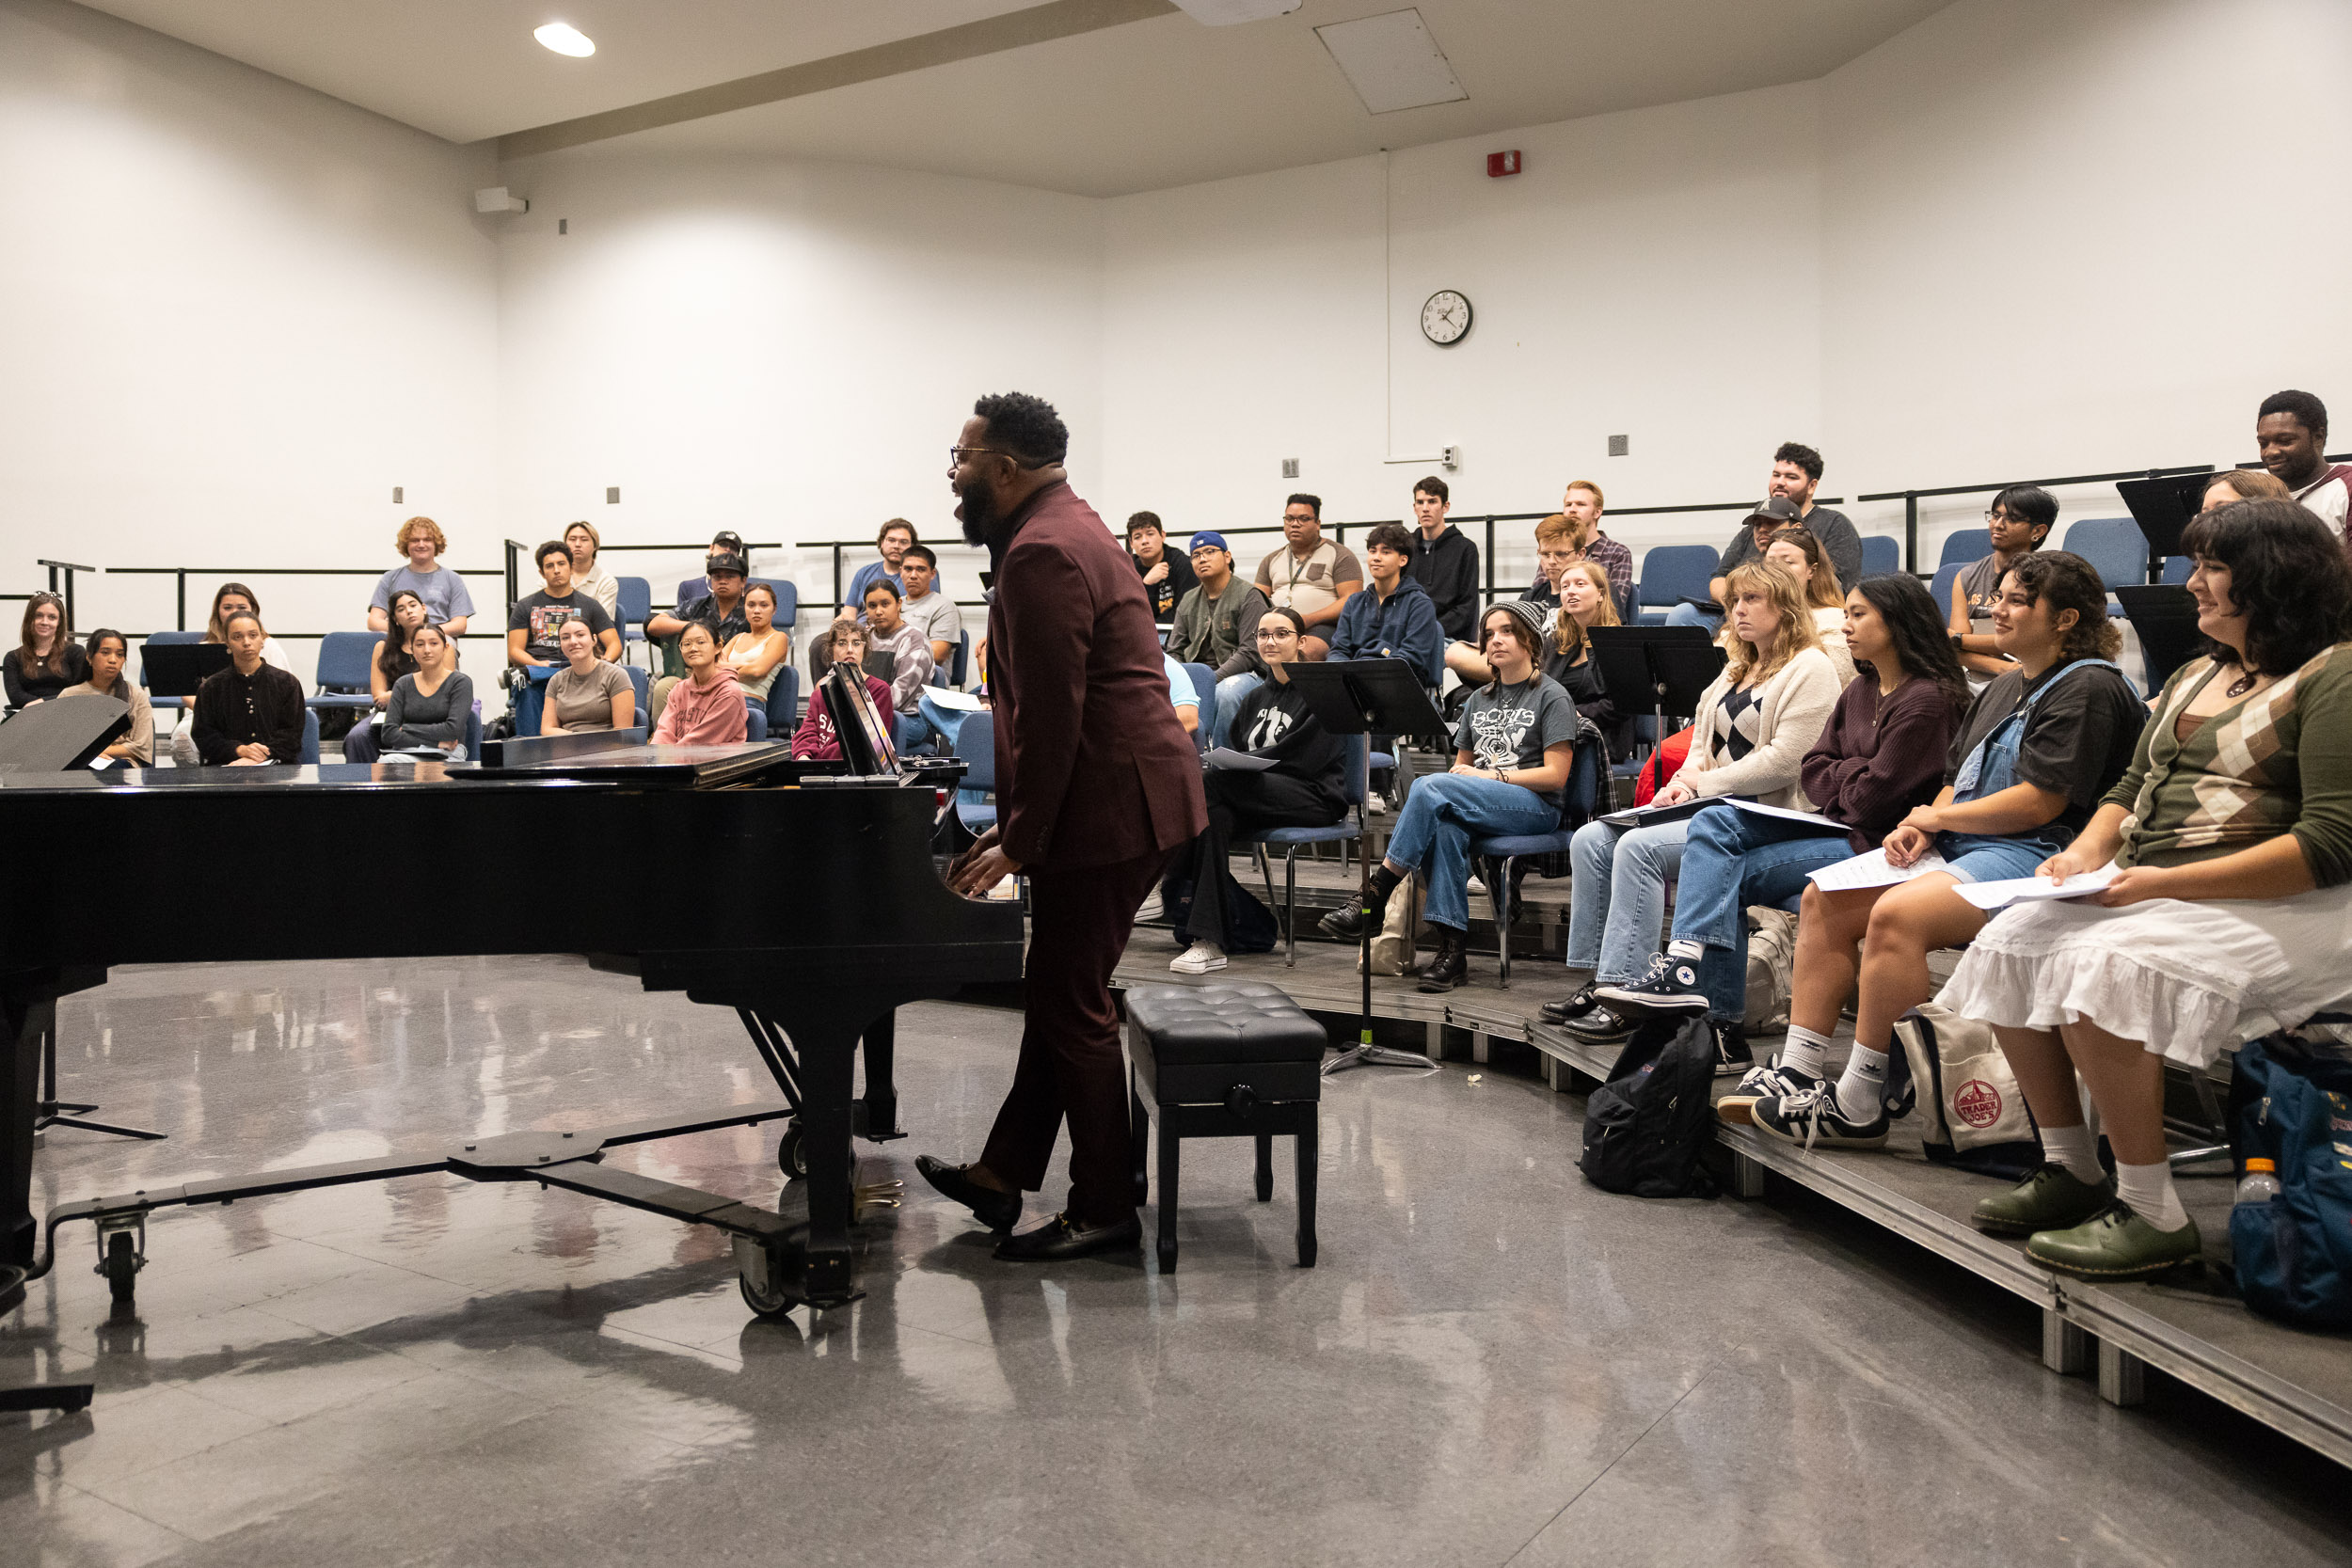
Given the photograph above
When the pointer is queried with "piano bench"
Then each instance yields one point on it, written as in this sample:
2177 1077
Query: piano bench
1228 1060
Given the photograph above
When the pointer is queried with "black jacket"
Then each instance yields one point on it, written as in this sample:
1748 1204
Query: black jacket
1447 567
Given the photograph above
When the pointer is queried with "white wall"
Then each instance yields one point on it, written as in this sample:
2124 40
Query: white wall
234 314
784 349
1653 274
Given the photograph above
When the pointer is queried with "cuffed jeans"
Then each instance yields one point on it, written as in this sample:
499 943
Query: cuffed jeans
1619 899
1441 816
1733 859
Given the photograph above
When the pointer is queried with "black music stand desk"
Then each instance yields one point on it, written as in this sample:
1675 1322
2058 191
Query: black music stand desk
2165 616
1366 697
1671 666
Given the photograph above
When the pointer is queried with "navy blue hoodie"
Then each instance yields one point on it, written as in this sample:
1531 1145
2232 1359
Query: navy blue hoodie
1406 628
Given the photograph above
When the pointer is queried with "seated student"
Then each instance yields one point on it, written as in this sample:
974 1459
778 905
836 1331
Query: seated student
1394 618
1443 560
1181 692
886 628
705 707
1303 789
726 541
2019 520
588 578
719 606
1555 552
587 694
761 648
1512 753
926 609
2038 749
108 651
1217 622
1788 499
365 742
2243 484
432 703
1167 576
250 714
1753 726
1580 510
1794 549
1310 574
1586 602
1881 756
46 659
228 599
534 627
817 738
2291 431
892 544
2231 913
442 590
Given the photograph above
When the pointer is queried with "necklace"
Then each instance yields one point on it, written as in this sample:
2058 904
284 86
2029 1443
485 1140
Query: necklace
2244 684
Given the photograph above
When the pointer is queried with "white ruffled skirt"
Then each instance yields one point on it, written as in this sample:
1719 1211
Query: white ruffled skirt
2191 979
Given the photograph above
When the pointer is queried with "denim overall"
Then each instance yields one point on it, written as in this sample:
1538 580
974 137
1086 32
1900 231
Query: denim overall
1992 768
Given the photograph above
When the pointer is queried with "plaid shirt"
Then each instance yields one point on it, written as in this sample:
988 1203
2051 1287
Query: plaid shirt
1605 553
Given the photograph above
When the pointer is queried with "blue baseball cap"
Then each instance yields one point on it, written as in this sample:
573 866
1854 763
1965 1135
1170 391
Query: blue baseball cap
1207 538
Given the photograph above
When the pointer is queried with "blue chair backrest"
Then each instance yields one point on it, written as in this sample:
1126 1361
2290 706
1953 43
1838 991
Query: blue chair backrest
1672 573
641 684
959 660
1204 683
1581 798
1352 780
344 657
976 743
1964 546
754 721
1941 588
692 588
309 735
2177 568
473 734
1881 553
784 700
636 601
2114 544
787 599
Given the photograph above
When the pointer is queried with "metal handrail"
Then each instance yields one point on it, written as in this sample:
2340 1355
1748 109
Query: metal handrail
179 587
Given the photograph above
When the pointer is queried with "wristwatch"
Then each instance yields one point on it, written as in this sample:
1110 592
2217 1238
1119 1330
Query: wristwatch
1960 644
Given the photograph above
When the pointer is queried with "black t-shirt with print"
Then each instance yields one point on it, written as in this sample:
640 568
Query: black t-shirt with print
1164 593
543 615
1512 727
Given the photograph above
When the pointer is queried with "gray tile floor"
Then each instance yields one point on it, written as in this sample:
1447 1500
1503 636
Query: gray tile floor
1493 1364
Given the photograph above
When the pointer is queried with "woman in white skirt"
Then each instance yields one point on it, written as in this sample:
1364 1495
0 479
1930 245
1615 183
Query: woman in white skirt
2231 913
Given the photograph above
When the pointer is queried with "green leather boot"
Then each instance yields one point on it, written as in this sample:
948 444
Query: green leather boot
2052 1199
2115 1243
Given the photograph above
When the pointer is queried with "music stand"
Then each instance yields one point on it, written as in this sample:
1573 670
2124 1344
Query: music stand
1673 665
178 669
2162 507
1366 697
2165 616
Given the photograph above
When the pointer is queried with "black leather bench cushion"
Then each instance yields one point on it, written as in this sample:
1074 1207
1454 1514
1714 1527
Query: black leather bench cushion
1243 1021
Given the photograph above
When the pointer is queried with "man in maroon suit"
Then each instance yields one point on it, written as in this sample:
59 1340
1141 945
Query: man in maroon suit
1096 784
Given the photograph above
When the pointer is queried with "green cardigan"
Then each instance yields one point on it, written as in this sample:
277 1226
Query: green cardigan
2277 761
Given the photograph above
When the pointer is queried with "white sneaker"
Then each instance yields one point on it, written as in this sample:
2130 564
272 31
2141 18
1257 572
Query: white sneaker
1201 958
1476 885
1377 803
1149 910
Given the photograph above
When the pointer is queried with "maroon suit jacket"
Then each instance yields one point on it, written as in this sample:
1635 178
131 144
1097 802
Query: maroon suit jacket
1092 765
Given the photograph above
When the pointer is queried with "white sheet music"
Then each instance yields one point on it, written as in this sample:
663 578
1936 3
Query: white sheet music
1873 870
2025 890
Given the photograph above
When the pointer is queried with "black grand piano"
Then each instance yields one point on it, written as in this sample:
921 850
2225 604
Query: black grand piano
811 971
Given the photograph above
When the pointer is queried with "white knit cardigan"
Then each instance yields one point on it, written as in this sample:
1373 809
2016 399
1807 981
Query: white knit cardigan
1796 703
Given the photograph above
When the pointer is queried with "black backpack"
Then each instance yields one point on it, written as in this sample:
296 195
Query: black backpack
1645 1128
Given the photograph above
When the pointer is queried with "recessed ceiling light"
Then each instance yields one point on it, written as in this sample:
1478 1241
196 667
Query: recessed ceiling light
565 39
1392 61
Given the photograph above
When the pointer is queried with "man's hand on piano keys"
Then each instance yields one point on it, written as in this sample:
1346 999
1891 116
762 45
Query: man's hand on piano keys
980 867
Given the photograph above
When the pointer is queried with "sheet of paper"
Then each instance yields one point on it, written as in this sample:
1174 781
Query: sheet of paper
2025 890
1813 819
1873 870
1643 816
1227 758
954 700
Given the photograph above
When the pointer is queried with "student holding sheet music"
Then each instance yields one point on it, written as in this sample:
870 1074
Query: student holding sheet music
1881 755
1755 724
2038 749
1512 756
1302 790
2229 913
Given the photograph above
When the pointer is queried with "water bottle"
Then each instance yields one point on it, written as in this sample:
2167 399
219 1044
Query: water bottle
2260 1183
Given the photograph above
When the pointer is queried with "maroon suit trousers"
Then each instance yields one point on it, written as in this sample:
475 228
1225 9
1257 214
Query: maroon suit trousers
1079 923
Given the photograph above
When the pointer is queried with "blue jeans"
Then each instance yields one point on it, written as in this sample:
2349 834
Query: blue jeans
1230 691
1619 899
1444 812
1691 615
1733 858
915 732
945 723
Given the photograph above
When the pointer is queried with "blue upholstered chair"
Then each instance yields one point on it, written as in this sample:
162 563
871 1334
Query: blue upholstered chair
2113 544
343 660
976 743
1672 573
636 609
309 753
1498 855
177 636
1881 553
1204 686
1354 782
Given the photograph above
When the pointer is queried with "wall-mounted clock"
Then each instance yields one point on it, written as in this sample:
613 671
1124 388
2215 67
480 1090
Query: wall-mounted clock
1445 317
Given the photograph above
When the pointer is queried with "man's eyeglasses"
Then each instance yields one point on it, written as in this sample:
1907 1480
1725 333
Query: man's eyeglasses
956 456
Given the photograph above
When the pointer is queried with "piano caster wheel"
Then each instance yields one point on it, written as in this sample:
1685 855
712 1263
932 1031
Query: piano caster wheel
760 1272
792 1152
120 1265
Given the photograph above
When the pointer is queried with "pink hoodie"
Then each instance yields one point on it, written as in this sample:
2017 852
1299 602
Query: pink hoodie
710 715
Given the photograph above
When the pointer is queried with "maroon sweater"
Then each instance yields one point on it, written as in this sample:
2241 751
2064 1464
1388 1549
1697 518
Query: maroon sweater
1878 757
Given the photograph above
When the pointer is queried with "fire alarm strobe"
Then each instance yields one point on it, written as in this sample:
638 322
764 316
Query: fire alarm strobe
1500 164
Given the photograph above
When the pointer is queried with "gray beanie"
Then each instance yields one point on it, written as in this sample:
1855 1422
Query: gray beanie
1535 617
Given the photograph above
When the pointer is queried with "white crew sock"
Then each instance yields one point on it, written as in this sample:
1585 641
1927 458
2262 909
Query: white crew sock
2150 1191
1688 951
1803 1051
1861 1087
2075 1148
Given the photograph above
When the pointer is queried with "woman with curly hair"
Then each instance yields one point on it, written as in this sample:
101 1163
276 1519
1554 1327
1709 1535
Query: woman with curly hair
2229 915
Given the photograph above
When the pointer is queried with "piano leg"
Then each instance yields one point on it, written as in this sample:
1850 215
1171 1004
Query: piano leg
880 1105
27 1012
828 1042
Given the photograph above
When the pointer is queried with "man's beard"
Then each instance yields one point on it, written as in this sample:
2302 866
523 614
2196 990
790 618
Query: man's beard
979 513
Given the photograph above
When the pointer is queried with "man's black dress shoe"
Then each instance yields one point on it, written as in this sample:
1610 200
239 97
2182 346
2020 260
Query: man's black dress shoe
1063 1237
997 1210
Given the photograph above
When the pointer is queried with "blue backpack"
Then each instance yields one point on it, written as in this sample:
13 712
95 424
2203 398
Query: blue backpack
2293 1254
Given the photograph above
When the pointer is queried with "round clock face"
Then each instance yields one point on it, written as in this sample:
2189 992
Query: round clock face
1445 317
